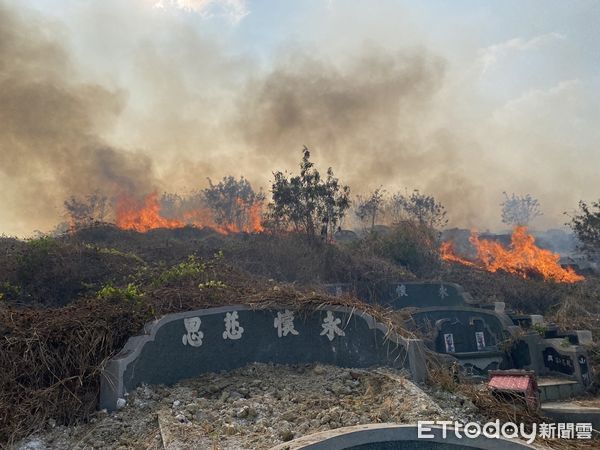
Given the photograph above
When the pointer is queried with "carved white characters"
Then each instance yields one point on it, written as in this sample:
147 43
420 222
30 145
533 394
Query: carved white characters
194 335
401 290
443 291
233 330
284 322
330 326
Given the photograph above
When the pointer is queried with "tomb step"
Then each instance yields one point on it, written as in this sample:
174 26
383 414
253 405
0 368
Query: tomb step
573 411
554 388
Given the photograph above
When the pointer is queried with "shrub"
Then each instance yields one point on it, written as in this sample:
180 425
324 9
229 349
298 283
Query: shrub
409 244
110 292
189 268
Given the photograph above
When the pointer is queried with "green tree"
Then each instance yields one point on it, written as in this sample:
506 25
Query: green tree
308 203
369 207
586 226
419 208
234 203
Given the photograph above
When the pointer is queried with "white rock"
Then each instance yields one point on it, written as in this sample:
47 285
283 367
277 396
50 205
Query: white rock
121 402
33 444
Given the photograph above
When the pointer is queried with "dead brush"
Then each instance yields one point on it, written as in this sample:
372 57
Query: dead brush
50 363
51 360
508 409
445 378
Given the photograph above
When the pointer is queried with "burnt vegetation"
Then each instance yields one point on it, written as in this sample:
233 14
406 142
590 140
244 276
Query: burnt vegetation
69 301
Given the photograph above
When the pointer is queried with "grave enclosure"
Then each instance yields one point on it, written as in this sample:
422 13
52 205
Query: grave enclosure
391 436
185 345
477 335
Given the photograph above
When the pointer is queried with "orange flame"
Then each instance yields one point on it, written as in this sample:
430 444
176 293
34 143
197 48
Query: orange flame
521 258
254 219
132 216
448 253
144 216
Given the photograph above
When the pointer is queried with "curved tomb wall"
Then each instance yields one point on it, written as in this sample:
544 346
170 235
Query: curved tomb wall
389 436
424 295
405 294
185 345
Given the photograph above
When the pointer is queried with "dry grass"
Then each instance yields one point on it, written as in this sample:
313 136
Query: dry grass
50 359
50 362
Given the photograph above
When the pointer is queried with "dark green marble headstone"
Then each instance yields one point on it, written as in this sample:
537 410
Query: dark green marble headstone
185 345
423 295
167 359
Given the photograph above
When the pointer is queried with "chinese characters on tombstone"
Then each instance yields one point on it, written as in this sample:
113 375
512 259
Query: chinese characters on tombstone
283 322
401 291
480 339
194 335
443 292
330 326
232 326
449 342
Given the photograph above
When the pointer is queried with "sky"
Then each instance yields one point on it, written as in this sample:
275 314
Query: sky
462 100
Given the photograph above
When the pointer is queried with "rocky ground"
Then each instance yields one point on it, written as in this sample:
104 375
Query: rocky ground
256 407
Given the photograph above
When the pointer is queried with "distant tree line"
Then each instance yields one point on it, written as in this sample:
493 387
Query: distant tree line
315 205
417 207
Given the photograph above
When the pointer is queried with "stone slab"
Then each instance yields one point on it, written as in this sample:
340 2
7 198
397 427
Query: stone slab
584 337
401 294
388 436
562 357
185 345
567 412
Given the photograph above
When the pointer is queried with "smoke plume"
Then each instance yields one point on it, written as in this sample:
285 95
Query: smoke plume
156 104
50 128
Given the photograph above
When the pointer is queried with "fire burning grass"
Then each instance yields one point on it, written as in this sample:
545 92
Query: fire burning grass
521 258
133 216
146 215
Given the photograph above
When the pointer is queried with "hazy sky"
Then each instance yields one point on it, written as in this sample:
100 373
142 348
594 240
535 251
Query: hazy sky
460 99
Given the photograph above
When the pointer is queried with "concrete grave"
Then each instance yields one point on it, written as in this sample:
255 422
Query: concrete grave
472 335
560 356
339 289
584 337
571 412
403 294
390 436
477 335
424 295
185 345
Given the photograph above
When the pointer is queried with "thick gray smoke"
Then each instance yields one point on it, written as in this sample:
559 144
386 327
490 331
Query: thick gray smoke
50 127
368 117
158 104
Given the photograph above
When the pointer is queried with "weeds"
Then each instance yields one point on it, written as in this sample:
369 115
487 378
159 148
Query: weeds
109 292
190 268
